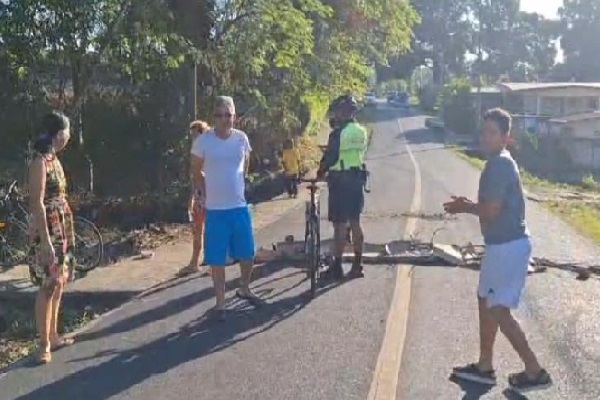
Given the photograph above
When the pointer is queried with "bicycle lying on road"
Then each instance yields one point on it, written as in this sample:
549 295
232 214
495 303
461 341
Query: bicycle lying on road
14 237
312 234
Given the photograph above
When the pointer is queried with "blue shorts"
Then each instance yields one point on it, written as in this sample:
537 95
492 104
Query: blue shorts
228 233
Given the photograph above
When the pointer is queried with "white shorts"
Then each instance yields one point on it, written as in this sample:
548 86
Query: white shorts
503 272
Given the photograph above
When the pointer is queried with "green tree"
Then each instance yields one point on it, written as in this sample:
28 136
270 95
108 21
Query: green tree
580 29
458 108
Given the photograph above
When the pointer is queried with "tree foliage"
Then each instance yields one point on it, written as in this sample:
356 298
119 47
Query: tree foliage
580 30
458 107
452 34
124 71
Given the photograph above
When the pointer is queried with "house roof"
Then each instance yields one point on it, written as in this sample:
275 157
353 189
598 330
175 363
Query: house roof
486 90
525 86
576 118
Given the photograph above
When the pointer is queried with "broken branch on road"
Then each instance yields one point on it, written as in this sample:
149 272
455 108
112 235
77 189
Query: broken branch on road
417 252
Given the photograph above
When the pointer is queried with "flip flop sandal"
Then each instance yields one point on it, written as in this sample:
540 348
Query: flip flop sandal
185 271
62 342
253 300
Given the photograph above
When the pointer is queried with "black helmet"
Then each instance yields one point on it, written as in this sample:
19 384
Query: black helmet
344 103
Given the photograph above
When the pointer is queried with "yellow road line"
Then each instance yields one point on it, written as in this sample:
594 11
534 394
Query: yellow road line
385 378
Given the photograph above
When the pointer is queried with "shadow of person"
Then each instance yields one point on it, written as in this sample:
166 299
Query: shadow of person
192 341
512 395
472 391
171 307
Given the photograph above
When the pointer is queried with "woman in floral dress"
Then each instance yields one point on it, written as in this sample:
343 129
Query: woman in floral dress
51 226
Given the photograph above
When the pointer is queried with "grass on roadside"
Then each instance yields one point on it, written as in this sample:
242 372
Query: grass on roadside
584 217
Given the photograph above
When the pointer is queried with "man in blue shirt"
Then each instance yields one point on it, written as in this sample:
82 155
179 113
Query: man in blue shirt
500 208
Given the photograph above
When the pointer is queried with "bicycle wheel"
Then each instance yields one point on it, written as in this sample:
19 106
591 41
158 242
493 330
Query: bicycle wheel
312 259
307 250
89 247
14 243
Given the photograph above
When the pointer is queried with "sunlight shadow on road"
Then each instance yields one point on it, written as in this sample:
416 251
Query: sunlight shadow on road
194 340
510 395
169 308
472 391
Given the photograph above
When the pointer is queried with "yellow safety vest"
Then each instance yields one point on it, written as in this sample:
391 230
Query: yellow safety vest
353 145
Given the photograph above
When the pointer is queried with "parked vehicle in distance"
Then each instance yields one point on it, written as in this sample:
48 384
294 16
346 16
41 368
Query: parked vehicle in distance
370 99
400 100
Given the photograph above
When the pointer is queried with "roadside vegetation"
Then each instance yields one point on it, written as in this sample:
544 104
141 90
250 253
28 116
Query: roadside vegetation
131 75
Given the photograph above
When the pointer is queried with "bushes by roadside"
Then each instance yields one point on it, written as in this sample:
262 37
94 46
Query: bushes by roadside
458 108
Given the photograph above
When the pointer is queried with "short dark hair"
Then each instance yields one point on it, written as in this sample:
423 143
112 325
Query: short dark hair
501 117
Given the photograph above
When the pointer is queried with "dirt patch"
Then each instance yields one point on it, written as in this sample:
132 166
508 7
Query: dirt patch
562 195
18 332
120 245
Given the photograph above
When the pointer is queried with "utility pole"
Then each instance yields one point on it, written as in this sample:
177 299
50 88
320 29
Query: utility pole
195 89
479 63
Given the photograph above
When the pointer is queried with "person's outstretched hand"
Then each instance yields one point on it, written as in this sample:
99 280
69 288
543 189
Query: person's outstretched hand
458 205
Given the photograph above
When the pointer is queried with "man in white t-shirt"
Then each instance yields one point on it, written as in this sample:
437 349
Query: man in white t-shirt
222 154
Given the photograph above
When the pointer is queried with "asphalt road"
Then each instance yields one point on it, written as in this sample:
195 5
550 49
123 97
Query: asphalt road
162 346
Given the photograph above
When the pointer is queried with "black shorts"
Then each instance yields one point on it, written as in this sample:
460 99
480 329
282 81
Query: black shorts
346 196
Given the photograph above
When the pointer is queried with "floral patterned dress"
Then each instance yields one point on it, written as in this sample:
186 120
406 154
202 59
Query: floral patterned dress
60 226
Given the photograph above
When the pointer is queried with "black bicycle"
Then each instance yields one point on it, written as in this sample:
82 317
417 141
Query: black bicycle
312 234
89 245
14 239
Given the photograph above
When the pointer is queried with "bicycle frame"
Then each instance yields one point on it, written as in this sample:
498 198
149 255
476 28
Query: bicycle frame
312 235
312 210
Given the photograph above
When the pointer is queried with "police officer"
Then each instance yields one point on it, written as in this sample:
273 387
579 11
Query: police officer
343 160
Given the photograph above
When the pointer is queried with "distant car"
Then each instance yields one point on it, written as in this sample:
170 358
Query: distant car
400 100
370 99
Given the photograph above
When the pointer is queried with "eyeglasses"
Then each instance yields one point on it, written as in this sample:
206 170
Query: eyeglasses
228 115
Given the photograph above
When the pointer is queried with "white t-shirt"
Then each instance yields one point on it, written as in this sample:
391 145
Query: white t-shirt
223 168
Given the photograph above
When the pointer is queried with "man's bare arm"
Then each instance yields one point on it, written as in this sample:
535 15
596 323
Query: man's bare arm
487 211
246 163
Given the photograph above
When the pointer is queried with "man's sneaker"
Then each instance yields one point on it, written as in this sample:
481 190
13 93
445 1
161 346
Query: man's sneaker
472 373
333 273
521 383
356 272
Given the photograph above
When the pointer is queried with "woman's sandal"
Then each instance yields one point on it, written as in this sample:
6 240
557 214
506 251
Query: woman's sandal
43 356
60 343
